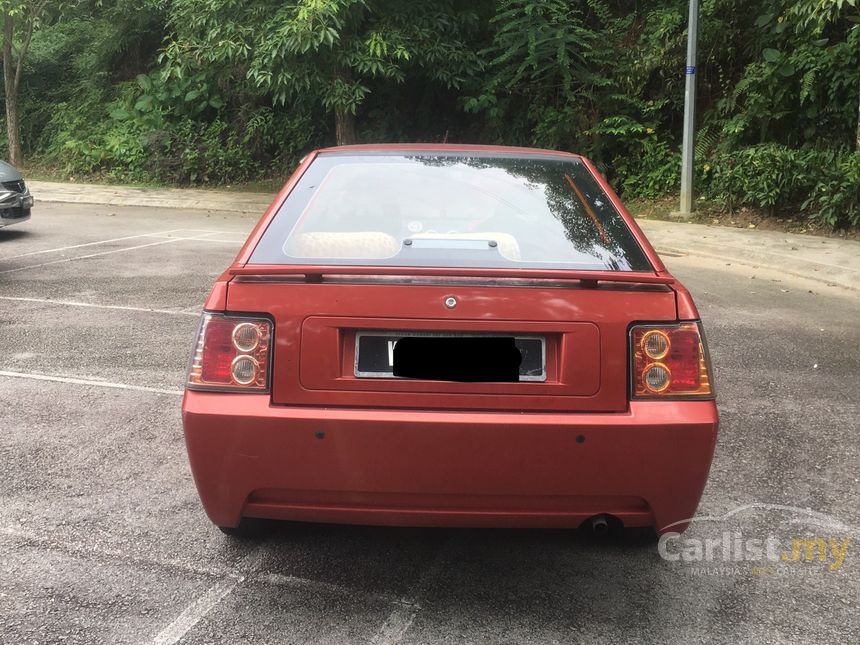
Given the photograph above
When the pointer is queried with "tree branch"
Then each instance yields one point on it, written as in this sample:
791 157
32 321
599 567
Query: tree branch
8 32
35 11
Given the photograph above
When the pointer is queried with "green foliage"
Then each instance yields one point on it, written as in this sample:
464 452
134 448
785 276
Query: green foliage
765 176
324 52
144 146
548 66
652 169
802 88
835 198
823 183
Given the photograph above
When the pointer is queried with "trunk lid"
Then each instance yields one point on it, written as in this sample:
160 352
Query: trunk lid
584 331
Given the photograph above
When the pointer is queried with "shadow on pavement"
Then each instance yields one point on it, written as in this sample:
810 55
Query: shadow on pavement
10 235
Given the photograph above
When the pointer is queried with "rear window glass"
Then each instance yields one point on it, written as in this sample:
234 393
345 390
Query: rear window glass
456 210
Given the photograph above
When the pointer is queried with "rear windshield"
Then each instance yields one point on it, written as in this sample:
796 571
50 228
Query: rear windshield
450 210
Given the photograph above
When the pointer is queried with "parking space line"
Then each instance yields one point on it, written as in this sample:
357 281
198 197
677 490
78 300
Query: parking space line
72 303
403 615
197 610
95 549
207 239
93 255
202 239
89 382
396 625
205 230
77 246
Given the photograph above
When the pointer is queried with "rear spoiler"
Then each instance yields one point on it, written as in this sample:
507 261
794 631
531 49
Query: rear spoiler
315 273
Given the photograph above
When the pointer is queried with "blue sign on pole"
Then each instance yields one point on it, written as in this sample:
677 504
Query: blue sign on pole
689 70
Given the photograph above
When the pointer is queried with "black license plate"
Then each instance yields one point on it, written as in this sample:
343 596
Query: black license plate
450 357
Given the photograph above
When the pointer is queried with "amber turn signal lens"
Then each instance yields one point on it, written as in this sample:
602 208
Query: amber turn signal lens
655 344
669 361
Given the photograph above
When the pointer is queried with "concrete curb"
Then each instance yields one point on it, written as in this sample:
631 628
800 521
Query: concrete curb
828 260
187 198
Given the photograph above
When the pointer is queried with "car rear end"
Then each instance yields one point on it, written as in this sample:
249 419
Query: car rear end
410 338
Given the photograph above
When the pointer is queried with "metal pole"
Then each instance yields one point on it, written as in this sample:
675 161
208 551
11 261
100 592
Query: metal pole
688 146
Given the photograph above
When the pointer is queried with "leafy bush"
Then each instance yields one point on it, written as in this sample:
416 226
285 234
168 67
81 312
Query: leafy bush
764 176
651 168
156 133
825 184
835 198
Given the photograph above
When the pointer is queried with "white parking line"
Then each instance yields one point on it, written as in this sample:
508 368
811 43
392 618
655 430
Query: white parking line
77 246
197 610
206 239
401 618
396 625
72 303
207 230
203 239
91 547
89 382
93 255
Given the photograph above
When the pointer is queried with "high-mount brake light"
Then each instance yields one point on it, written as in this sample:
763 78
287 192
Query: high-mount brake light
232 354
669 361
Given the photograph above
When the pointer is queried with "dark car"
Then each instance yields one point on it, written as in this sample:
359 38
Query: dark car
15 198
450 336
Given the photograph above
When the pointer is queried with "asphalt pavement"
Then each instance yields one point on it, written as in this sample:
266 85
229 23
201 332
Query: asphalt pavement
103 540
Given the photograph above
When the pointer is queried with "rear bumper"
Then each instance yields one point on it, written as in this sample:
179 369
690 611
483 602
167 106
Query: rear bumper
13 216
647 466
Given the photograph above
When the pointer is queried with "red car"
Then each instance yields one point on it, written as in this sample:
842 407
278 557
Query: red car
447 335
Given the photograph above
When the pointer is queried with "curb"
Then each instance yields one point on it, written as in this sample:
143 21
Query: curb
833 262
180 198
814 271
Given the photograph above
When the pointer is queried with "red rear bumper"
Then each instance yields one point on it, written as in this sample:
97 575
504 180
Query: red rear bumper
647 466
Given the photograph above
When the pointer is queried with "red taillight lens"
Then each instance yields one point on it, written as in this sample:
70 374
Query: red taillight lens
669 361
231 354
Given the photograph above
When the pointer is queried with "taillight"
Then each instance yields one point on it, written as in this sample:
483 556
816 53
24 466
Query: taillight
231 354
669 361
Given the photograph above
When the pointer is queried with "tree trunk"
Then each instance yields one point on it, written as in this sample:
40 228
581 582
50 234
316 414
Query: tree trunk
11 91
857 134
13 130
344 127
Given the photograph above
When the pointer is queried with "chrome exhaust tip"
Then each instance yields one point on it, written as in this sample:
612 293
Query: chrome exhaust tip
599 525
